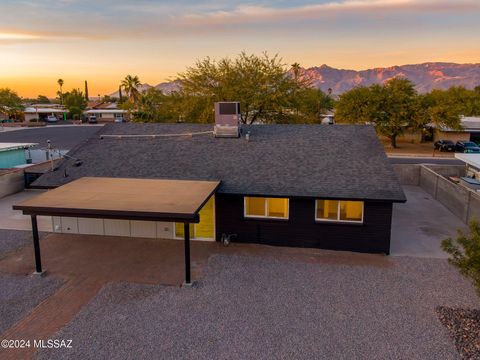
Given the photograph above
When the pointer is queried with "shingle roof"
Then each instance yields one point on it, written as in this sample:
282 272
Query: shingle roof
324 161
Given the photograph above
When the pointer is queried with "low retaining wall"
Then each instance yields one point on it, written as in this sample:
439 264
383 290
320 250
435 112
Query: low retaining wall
11 182
460 200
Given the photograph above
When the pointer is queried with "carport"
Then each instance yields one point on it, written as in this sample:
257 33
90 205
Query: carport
125 199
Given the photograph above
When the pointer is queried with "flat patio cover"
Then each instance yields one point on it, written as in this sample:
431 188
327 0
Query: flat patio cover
129 199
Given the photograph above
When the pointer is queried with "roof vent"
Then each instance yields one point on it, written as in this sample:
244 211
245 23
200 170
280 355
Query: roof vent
227 119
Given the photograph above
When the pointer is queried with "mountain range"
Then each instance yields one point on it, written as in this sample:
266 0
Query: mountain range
426 76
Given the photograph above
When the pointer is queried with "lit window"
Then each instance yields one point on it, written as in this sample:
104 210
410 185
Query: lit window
261 207
339 210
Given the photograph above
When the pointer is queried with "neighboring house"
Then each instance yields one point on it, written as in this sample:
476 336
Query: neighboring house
470 130
37 112
105 112
322 186
472 170
13 154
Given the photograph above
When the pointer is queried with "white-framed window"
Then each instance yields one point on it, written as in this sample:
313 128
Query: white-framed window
265 208
339 210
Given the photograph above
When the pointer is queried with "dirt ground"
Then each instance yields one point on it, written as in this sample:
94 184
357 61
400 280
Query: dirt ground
405 147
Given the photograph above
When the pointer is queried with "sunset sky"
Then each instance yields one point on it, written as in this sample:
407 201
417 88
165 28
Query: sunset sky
102 41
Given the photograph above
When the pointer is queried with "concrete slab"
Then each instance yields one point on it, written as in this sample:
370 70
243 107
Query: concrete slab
420 225
15 220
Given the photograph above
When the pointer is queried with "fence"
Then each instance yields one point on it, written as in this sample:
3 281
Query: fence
460 200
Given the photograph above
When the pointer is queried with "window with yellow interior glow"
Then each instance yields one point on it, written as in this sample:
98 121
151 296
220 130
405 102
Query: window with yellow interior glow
339 210
261 207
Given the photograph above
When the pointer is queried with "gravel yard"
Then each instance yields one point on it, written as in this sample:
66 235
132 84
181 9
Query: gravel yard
464 327
257 308
11 240
20 294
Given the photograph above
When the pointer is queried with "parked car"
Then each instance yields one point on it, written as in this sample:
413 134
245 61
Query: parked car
52 119
92 119
119 120
466 147
444 145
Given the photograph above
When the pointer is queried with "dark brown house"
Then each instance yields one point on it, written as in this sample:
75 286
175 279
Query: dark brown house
323 186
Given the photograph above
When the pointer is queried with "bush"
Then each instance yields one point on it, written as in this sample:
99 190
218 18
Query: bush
465 253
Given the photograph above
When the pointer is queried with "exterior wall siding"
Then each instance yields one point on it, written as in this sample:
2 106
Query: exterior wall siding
301 229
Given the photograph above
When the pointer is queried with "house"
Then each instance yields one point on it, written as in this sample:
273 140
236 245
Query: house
470 130
322 186
105 112
37 112
472 170
14 154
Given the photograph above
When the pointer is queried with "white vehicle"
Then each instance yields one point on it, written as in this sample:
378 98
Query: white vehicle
52 118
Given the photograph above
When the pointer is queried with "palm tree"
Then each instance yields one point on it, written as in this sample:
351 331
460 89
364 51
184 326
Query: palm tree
131 84
60 83
296 70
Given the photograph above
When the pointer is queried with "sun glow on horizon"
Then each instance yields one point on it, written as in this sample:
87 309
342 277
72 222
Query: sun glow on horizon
17 36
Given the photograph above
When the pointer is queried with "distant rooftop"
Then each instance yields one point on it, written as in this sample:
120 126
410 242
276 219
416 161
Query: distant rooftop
15 146
470 159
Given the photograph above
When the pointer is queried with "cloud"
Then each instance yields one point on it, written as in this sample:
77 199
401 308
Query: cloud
254 13
145 19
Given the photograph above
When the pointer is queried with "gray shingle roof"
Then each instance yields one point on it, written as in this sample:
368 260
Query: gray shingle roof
324 161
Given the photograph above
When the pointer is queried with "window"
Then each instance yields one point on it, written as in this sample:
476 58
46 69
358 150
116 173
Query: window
339 210
261 207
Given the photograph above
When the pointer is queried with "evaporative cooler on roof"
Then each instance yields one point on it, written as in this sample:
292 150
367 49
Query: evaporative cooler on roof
227 119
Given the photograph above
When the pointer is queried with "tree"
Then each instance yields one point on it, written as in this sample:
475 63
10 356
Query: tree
149 105
390 107
296 70
86 91
309 105
42 99
60 84
120 96
10 102
465 253
131 84
259 83
75 103
434 108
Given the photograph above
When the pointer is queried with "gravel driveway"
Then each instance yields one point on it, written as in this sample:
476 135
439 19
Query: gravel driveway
256 308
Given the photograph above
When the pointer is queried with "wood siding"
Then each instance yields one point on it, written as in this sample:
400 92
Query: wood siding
301 229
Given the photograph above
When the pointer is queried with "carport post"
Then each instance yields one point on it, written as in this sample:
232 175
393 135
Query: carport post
36 245
186 233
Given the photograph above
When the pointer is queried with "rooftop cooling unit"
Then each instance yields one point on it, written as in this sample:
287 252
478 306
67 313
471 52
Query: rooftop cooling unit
227 119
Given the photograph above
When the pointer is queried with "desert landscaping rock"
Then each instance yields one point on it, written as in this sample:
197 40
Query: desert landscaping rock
11 240
256 308
464 328
20 294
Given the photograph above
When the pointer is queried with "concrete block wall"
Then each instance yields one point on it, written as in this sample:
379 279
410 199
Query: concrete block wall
428 180
407 174
453 196
474 206
461 201
11 182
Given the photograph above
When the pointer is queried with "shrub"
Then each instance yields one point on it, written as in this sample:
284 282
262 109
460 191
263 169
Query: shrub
465 253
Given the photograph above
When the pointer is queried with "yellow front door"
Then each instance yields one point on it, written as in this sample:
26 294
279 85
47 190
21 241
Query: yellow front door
205 229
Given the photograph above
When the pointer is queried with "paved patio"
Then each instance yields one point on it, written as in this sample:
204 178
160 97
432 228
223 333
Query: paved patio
11 219
420 225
